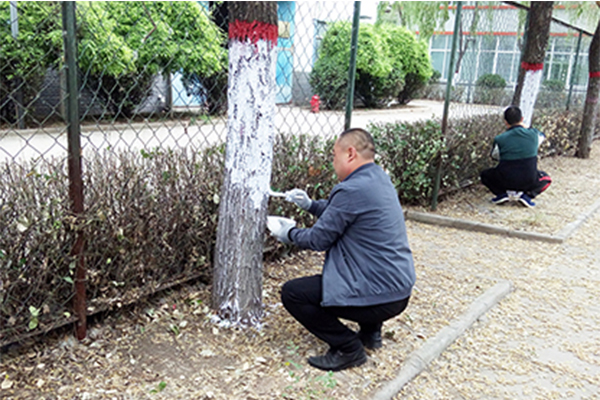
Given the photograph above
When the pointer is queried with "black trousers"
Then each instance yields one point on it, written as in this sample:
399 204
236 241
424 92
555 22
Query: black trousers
302 298
497 182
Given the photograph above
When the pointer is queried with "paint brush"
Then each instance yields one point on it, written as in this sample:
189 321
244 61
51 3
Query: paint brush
276 194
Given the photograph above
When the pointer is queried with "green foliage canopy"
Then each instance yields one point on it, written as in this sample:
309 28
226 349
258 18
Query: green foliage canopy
31 52
150 36
122 45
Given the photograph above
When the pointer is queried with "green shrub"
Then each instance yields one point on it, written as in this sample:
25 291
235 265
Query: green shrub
391 63
553 85
489 89
410 56
411 152
407 152
552 95
491 81
151 217
435 77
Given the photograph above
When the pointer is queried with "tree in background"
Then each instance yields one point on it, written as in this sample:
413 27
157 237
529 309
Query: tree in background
421 16
590 111
24 60
532 57
237 275
122 46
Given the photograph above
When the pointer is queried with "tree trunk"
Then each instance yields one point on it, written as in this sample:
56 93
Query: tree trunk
237 275
588 124
532 58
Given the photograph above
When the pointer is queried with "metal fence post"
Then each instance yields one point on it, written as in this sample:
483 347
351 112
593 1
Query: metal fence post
352 68
574 71
14 29
438 174
75 179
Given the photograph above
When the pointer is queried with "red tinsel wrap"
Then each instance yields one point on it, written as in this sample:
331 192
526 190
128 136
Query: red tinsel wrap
532 66
255 31
595 74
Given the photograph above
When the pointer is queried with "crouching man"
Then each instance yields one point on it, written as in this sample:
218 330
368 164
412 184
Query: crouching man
368 272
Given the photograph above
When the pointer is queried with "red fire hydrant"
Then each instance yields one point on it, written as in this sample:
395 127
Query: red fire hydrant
315 102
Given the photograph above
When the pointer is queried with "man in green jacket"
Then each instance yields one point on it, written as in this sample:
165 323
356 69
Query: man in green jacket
516 176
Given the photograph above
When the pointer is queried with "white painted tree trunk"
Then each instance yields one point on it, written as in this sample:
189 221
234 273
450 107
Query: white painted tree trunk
531 88
237 278
532 58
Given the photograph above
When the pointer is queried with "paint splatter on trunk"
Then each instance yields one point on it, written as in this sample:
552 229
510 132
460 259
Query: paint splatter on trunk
531 87
237 279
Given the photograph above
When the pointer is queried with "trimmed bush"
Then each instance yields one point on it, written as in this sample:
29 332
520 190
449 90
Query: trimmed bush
491 81
410 57
489 89
151 217
411 152
150 221
552 94
391 64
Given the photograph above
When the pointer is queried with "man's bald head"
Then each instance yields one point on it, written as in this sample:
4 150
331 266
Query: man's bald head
361 140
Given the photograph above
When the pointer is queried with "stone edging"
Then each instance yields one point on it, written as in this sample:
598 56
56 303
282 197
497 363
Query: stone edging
418 360
456 223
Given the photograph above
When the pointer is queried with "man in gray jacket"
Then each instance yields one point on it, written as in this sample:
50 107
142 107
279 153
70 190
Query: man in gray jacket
368 272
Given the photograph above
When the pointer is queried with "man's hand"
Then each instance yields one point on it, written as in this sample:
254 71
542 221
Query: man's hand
280 227
298 197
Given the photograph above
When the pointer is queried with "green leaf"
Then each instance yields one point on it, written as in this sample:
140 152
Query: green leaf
68 279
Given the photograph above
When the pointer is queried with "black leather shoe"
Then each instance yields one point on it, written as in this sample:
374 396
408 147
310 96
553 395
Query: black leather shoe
371 340
336 360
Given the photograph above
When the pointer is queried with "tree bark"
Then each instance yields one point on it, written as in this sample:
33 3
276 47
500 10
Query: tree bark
237 274
532 57
590 110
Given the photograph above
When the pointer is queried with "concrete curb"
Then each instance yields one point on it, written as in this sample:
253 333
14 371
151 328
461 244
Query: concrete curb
566 232
478 227
570 228
418 360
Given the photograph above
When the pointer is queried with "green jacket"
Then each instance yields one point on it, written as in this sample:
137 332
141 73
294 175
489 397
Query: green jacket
517 143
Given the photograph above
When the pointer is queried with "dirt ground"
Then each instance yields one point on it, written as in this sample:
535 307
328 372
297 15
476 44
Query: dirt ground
169 348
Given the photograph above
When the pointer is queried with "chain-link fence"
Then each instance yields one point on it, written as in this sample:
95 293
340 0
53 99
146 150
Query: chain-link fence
152 102
488 58
489 38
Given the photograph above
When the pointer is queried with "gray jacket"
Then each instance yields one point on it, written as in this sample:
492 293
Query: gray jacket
361 228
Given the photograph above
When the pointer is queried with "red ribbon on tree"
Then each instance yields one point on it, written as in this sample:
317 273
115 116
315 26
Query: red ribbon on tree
595 74
532 66
255 31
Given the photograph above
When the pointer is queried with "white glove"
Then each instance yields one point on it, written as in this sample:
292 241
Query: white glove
280 227
298 197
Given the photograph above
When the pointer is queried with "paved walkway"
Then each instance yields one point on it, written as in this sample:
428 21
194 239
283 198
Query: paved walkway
542 340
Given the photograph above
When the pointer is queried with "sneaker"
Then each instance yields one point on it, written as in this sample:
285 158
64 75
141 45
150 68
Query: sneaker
336 360
513 195
526 201
501 198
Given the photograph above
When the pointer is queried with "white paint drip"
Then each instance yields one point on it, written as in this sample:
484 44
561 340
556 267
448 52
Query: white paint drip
531 88
251 116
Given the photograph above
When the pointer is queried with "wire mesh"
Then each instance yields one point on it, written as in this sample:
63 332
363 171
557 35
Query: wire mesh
153 117
489 56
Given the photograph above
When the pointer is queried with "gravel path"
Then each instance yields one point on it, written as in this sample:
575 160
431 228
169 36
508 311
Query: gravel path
540 342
